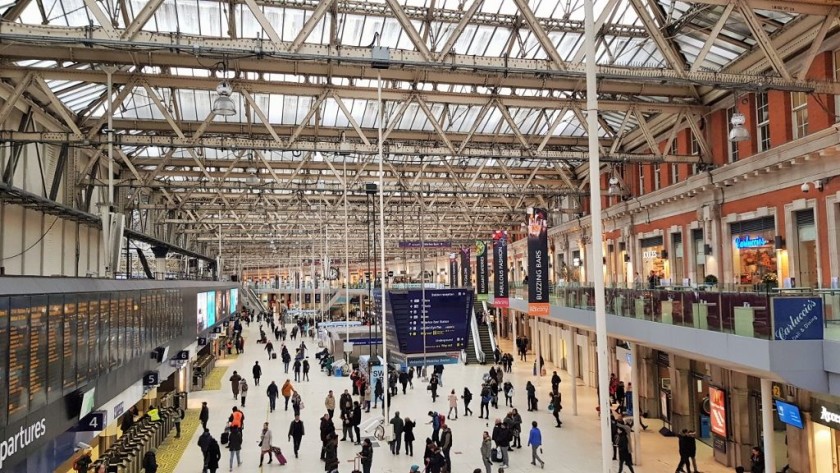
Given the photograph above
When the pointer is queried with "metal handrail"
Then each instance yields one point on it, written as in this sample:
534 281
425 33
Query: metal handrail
476 337
489 326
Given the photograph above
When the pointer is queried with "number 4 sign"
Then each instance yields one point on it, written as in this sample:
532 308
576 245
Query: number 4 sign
93 422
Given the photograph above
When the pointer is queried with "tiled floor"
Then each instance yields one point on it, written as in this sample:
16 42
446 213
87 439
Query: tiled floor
572 449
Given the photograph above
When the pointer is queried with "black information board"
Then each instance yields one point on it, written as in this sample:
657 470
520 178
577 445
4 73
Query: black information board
4 348
93 337
38 352
18 357
82 319
69 343
104 331
448 313
55 345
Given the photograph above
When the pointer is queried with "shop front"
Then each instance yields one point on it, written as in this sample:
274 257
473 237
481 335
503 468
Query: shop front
825 417
654 265
754 262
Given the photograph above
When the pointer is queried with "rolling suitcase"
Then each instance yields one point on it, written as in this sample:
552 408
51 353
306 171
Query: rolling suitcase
279 455
357 465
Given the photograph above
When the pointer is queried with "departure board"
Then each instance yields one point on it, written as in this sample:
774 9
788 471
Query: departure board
448 313
104 332
54 345
69 343
114 355
147 310
82 318
125 319
135 328
93 336
4 347
38 352
18 357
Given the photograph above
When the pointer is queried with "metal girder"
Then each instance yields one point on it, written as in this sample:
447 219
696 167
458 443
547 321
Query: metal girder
799 7
327 147
542 101
828 23
104 22
666 47
710 41
409 30
141 19
58 175
459 29
762 39
311 23
276 41
13 13
411 61
11 100
541 35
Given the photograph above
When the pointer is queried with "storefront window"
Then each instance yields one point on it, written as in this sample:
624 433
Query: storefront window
653 265
677 256
754 257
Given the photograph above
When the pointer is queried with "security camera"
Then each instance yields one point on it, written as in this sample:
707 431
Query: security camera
804 187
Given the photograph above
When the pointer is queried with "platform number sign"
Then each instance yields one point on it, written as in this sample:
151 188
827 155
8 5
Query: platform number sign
151 378
93 422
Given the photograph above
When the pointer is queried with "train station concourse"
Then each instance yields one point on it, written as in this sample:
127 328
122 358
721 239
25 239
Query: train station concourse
321 235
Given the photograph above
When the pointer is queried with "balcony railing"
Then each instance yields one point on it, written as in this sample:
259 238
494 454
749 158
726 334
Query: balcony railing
741 313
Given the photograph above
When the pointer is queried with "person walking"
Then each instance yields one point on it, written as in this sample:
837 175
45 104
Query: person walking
408 436
516 427
532 396
297 403
305 370
235 446
296 368
287 391
487 452
356 420
433 386
203 416
446 445
287 357
684 441
236 419
257 372
150 462
366 456
329 403
243 390
535 442
624 455
213 456
435 422
501 436
234 384
556 407
397 425
179 416
486 397
327 429
331 453
403 377
467 397
203 444
269 349
453 405
555 383
507 388
272 392
296 432
265 444
377 392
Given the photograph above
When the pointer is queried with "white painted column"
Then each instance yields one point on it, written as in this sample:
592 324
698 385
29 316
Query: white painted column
637 416
767 424
573 368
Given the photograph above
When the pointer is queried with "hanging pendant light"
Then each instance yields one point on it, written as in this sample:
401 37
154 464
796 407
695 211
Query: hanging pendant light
737 132
223 105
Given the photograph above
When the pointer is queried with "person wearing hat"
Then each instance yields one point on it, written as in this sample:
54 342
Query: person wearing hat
150 461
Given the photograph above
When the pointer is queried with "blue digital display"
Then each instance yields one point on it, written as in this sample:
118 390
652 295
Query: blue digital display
789 414
447 320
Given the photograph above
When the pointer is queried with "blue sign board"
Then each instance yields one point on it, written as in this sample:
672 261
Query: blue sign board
789 414
442 327
431 360
798 318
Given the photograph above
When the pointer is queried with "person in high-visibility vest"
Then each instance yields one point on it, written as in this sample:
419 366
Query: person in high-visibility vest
154 414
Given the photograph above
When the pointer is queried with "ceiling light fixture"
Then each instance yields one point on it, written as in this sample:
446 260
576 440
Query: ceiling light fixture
614 188
223 105
737 132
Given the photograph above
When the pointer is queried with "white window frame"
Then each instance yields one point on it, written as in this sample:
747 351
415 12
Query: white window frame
762 122
657 176
641 180
799 114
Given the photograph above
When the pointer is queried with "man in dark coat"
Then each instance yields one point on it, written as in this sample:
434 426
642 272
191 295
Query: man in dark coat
204 415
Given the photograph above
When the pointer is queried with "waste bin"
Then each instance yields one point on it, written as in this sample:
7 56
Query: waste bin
705 426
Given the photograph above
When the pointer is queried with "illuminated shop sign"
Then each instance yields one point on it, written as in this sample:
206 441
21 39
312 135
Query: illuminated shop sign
750 242
650 254
825 413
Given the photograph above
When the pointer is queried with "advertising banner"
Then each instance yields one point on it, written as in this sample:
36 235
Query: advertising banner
798 318
717 404
453 270
425 244
538 303
466 267
481 276
500 270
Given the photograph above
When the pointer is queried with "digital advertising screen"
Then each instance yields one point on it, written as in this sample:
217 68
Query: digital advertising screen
201 312
446 324
211 308
234 299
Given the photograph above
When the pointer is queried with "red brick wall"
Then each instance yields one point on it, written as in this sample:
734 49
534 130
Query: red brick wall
746 105
781 121
821 111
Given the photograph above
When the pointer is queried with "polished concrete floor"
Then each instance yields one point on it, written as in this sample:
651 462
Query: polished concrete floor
573 448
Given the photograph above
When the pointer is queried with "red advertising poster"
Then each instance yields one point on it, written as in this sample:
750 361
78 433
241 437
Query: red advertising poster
717 402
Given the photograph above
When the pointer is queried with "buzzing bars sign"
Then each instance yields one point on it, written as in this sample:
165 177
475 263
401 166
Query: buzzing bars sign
481 276
500 270
537 262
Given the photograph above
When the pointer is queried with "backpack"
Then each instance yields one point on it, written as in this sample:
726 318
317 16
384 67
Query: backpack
441 420
183 413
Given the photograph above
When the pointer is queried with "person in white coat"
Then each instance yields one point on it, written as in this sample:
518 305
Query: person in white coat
265 444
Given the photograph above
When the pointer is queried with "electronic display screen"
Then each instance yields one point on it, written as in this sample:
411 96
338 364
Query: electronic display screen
234 300
446 326
201 312
18 357
4 346
82 318
54 347
789 414
211 308
88 403
37 352
69 343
